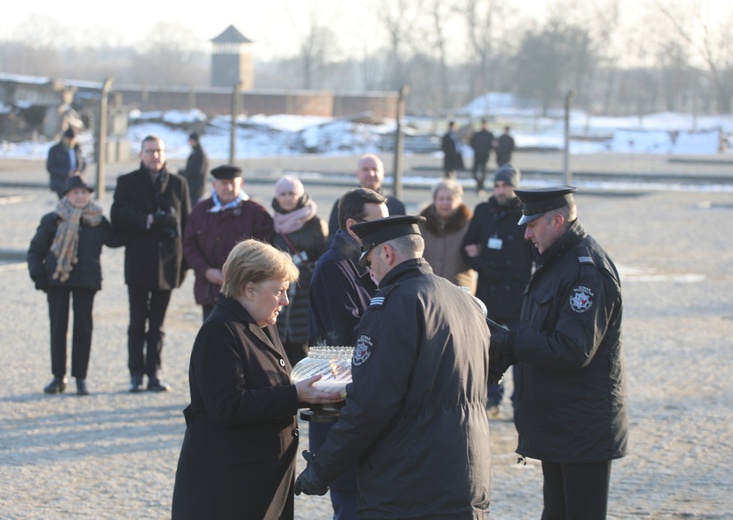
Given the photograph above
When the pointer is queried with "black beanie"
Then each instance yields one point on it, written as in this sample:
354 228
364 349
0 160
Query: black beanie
508 174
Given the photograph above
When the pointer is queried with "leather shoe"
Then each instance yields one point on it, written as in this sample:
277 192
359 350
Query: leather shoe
155 385
56 386
136 384
81 387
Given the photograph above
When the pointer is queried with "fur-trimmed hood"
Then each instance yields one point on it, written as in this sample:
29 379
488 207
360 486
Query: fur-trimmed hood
455 223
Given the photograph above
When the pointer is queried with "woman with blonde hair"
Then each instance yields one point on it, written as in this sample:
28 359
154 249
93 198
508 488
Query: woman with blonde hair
238 454
446 223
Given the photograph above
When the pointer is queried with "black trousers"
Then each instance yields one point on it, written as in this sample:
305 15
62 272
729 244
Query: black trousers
479 165
81 342
576 491
144 346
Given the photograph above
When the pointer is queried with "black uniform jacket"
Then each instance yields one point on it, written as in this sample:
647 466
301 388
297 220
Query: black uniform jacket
238 453
415 421
571 402
154 256
505 259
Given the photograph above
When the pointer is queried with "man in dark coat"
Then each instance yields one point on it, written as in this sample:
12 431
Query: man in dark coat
215 225
505 147
494 246
414 421
340 292
64 160
370 174
150 206
197 165
452 148
481 142
571 410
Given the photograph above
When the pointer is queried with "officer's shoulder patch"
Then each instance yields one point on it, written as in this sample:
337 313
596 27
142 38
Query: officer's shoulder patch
584 256
362 350
582 299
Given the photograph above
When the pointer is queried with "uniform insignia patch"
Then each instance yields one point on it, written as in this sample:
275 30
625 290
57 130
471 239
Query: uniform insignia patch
581 299
361 350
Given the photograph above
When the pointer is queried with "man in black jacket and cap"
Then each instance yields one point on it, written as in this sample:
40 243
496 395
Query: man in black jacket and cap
414 421
64 160
571 409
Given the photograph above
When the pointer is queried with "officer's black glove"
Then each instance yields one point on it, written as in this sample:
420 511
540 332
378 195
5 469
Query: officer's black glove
309 482
498 365
502 343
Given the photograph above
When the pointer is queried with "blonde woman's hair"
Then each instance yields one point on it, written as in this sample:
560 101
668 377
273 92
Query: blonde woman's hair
448 184
254 261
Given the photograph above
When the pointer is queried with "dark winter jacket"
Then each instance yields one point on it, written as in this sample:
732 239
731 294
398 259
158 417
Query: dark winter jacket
87 272
153 256
209 237
415 420
571 401
505 259
58 165
197 166
310 242
482 142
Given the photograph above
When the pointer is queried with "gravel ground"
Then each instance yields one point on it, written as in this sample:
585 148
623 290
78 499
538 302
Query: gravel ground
113 455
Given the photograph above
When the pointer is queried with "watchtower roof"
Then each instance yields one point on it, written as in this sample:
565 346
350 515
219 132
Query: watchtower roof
231 35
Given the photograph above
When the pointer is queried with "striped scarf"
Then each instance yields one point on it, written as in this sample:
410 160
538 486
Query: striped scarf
66 241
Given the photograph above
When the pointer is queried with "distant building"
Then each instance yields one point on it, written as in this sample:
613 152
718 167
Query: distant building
231 60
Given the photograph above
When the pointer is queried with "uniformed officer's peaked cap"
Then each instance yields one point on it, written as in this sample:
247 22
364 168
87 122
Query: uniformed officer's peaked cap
538 201
226 172
375 232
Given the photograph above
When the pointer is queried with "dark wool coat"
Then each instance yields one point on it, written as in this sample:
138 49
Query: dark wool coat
503 272
58 165
197 166
153 256
452 158
571 401
238 455
415 420
443 243
292 324
482 142
340 291
87 273
209 237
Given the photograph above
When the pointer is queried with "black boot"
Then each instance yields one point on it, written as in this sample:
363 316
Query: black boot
56 386
81 387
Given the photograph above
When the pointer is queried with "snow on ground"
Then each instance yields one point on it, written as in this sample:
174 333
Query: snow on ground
282 135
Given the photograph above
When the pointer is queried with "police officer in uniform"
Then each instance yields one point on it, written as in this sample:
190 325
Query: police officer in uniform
414 421
571 410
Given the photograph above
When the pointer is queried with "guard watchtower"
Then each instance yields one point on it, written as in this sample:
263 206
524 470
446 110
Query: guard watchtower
231 60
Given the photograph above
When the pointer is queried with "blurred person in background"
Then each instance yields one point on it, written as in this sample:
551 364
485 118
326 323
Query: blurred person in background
482 142
197 166
370 174
446 222
302 234
64 160
64 262
215 225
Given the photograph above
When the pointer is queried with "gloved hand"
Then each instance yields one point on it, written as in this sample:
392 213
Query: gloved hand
41 283
502 343
498 365
309 482
163 219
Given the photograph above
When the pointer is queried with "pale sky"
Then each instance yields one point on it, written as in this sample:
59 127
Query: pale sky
276 26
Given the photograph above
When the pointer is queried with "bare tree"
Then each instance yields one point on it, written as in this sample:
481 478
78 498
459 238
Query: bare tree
398 17
710 39
170 55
